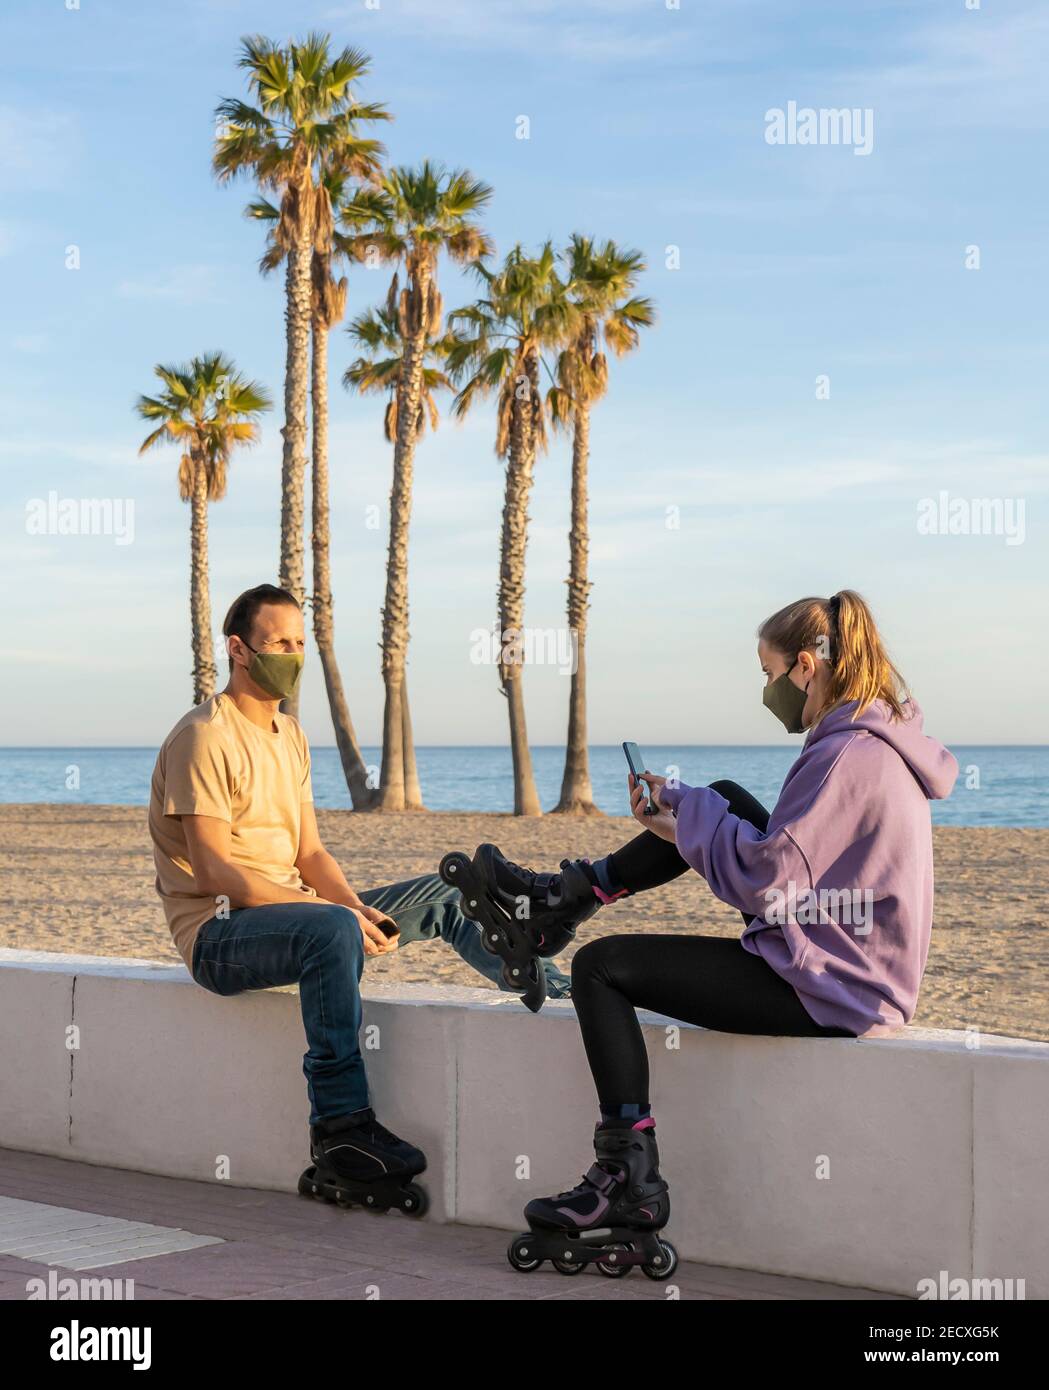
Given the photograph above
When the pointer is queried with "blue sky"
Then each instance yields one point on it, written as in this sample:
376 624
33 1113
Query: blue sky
647 126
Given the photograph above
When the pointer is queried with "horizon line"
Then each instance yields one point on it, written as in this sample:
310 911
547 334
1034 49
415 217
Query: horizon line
148 747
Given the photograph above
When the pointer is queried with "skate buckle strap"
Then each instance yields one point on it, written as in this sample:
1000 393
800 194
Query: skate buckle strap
599 1178
606 898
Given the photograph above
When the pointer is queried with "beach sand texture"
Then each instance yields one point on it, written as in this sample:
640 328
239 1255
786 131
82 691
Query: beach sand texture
80 878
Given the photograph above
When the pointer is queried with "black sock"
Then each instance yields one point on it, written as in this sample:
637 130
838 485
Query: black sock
604 877
625 1112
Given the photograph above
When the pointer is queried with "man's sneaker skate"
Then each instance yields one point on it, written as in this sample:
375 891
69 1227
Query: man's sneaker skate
359 1162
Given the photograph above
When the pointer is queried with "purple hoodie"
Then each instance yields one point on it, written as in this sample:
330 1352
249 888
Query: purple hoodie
840 884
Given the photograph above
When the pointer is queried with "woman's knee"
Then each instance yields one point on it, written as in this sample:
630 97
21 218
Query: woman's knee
729 790
741 803
598 959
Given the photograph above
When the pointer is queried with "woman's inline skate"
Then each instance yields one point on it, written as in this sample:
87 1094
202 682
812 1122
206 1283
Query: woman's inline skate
612 1219
357 1162
522 915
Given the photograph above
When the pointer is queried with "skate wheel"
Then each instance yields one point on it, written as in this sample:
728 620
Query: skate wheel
612 1268
569 1266
512 978
521 980
415 1200
341 1200
666 1268
307 1185
451 867
520 1254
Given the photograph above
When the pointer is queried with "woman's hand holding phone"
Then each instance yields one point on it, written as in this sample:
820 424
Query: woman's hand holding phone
661 822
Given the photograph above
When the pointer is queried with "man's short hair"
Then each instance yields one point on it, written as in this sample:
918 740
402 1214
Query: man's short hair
241 616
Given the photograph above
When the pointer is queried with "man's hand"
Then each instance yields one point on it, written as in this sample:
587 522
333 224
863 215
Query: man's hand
376 942
662 822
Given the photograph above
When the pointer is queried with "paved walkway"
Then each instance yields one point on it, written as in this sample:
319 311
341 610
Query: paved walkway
277 1245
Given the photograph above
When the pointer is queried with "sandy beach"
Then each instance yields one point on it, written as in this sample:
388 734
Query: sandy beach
80 878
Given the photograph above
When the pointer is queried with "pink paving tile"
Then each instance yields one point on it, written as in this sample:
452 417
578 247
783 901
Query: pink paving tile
280 1246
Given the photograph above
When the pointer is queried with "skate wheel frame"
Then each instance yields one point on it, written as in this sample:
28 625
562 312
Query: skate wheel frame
570 1255
411 1198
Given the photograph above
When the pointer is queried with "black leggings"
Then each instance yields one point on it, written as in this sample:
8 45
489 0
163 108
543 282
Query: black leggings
707 980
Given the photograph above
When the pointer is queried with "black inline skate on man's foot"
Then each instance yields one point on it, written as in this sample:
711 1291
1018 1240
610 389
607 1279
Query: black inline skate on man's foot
357 1162
523 915
611 1219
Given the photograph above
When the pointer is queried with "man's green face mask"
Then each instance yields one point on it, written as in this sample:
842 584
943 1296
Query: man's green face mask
277 673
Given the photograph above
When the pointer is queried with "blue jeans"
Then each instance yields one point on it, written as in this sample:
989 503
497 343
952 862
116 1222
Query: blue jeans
320 949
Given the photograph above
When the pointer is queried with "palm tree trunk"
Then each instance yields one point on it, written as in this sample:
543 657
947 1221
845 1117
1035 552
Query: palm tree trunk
577 796
390 796
393 794
353 768
413 797
199 593
293 471
519 471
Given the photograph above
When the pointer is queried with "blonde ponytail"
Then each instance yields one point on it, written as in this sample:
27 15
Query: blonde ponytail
841 630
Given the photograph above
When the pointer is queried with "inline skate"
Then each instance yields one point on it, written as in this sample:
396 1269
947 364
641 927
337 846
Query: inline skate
357 1162
611 1219
521 915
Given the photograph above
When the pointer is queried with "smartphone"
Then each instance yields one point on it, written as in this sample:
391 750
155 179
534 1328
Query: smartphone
636 764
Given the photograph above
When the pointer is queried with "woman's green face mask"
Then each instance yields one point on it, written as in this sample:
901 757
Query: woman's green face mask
277 673
786 700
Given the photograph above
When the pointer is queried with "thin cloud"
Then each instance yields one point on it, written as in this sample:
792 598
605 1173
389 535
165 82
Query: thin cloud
187 284
601 31
96 453
901 470
982 69
31 343
37 148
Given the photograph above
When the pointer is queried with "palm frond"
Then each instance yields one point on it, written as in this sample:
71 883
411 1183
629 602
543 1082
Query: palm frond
209 408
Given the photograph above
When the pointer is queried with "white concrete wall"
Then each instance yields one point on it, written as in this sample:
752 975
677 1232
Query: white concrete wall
937 1153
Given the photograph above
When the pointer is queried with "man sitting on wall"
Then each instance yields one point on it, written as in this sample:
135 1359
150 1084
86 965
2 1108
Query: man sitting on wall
253 898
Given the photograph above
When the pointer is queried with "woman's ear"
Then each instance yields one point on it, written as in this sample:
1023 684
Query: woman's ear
807 662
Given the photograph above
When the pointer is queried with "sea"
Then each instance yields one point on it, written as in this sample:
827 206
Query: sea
997 785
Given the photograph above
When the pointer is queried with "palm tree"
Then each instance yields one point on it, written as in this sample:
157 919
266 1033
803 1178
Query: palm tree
208 409
500 340
415 215
327 306
379 368
601 282
305 117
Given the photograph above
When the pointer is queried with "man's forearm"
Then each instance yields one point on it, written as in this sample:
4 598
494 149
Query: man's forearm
321 872
246 888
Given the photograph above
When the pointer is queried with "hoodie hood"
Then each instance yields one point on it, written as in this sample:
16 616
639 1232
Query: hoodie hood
934 766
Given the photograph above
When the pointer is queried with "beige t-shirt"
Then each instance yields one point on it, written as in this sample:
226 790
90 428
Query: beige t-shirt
215 762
